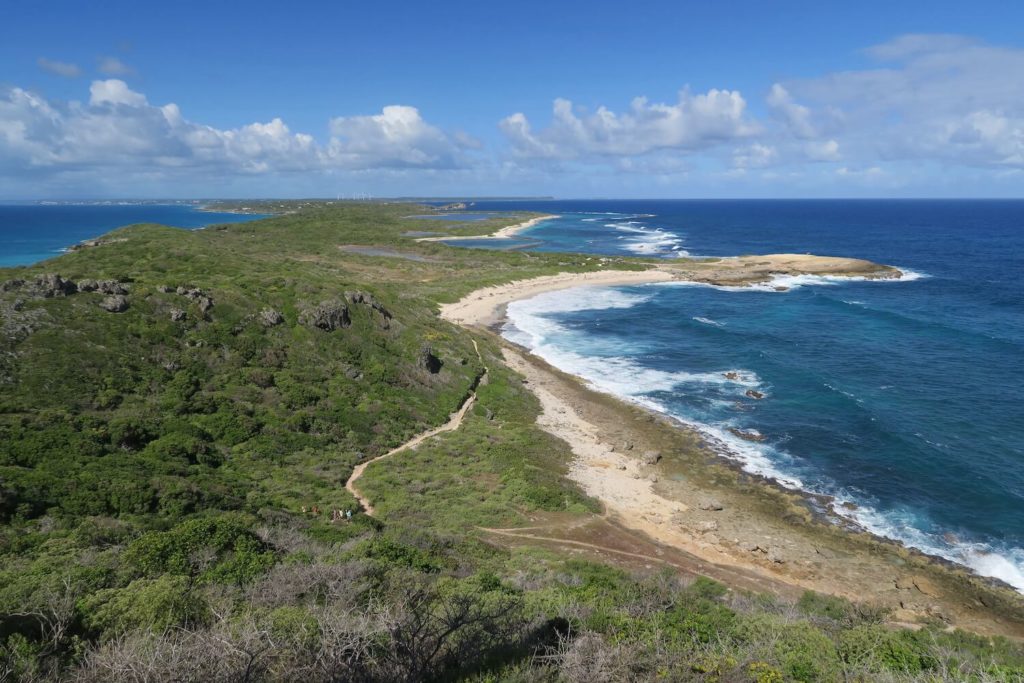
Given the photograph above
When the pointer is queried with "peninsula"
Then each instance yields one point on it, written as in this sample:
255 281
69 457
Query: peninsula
299 444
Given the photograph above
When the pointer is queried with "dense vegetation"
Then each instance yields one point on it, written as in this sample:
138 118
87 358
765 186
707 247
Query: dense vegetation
168 474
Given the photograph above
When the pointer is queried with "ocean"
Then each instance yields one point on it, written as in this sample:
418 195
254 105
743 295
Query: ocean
902 399
30 233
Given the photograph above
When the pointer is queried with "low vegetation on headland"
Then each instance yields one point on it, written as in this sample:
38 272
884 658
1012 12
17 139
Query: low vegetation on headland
180 411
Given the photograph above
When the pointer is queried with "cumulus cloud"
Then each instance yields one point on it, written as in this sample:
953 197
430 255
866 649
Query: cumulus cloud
65 69
398 137
112 66
118 127
693 123
114 91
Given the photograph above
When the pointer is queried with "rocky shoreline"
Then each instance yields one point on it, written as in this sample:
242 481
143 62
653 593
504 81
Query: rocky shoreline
692 498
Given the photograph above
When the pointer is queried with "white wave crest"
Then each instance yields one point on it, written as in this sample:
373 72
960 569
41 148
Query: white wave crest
531 325
649 241
1005 564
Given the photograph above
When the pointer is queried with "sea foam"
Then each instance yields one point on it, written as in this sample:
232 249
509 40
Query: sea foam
647 241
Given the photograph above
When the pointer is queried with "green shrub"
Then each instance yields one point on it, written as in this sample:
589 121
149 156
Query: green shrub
220 549
878 647
156 604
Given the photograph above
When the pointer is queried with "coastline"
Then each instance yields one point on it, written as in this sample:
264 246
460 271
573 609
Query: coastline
484 307
503 233
707 508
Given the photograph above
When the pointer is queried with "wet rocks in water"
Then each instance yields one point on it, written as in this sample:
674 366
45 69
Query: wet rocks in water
711 505
270 318
747 436
115 304
429 361
732 375
328 316
651 457
754 394
177 315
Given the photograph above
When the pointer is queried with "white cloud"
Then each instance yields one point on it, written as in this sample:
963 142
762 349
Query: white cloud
65 69
119 128
695 122
796 116
822 150
398 137
114 91
932 97
754 156
112 66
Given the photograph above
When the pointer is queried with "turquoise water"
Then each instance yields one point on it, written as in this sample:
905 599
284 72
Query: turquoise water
904 398
33 232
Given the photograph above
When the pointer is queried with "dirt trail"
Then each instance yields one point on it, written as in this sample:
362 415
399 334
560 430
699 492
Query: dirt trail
452 424
607 537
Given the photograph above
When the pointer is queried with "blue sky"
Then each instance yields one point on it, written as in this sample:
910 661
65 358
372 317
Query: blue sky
573 99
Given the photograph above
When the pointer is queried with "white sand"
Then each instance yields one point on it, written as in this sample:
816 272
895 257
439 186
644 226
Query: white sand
482 307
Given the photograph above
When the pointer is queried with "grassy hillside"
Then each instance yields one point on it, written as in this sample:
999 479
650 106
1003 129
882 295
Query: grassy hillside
176 428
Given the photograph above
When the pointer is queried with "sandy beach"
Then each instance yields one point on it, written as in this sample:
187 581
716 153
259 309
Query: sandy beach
485 306
503 233
658 480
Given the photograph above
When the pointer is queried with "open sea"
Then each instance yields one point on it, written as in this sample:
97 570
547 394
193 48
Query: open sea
34 232
902 398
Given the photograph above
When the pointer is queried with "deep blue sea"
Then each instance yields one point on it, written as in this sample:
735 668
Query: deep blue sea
34 232
904 398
